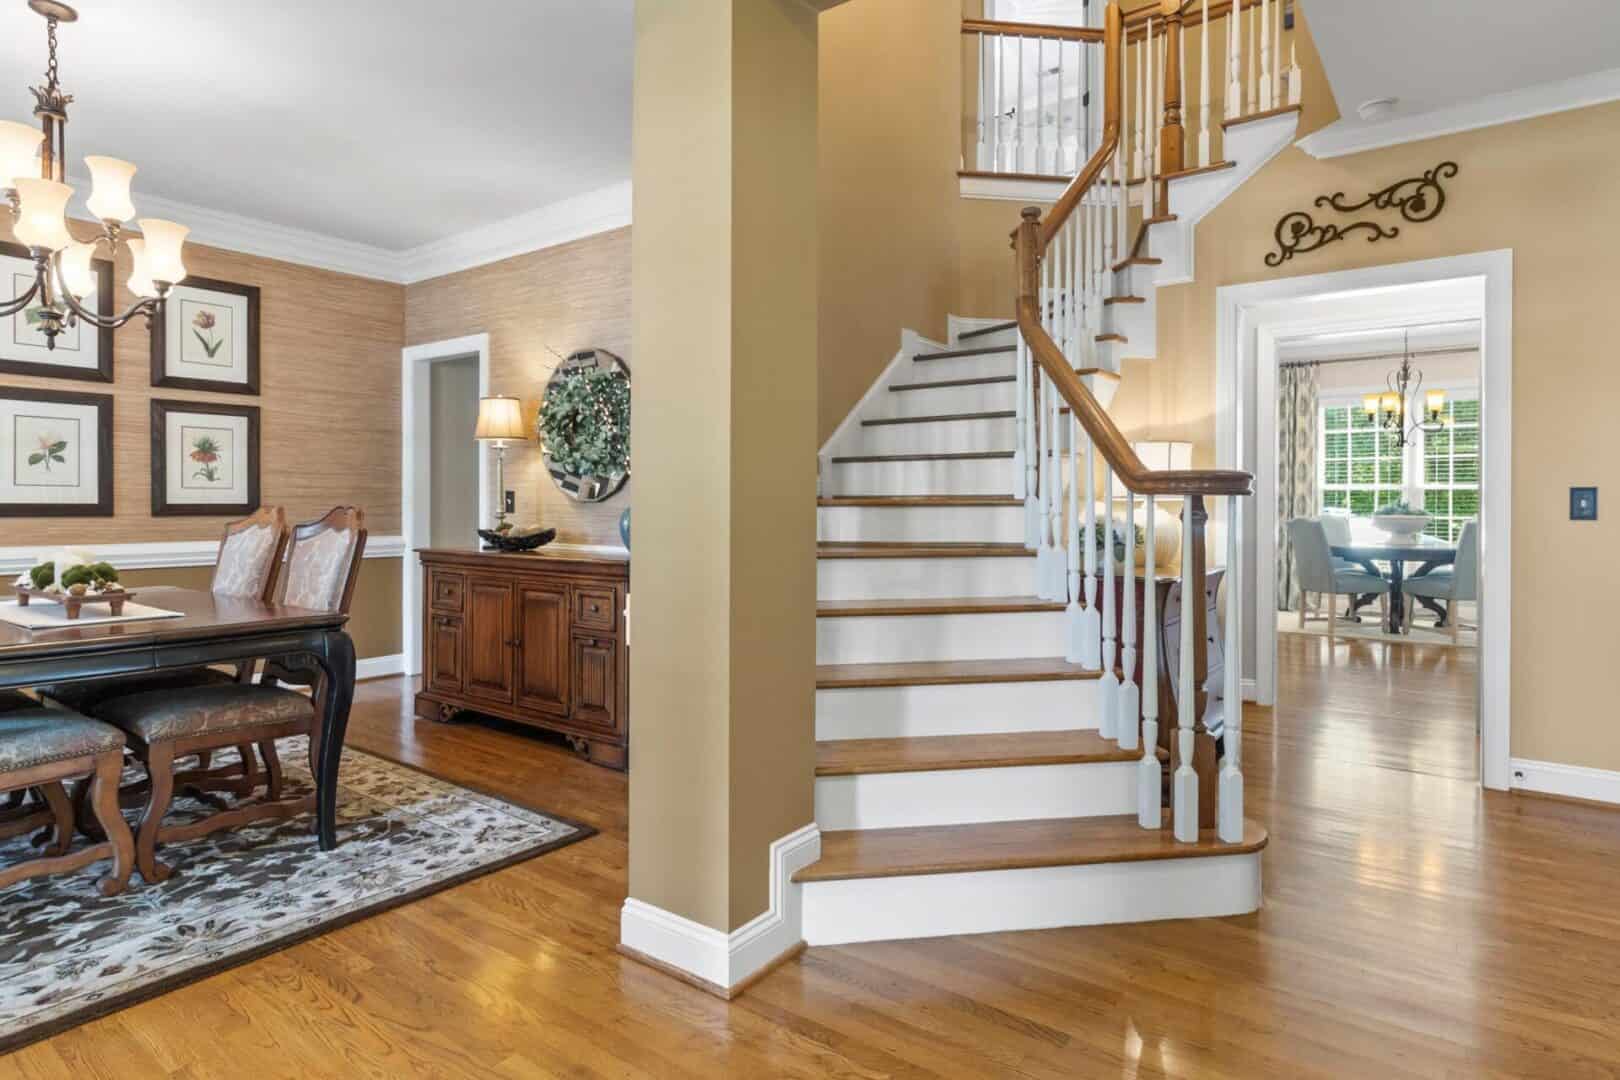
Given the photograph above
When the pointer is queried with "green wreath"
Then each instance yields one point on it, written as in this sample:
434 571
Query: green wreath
585 423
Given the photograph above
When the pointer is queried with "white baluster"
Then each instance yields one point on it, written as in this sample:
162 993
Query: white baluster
1026 403
1091 624
1020 415
1203 90
1040 104
1108 701
1130 697
1268 60
981 148
999 50
1148 812
1059 155
1254 59
1184 786
1043 492
1276 54
1234 61
1074 612
1019 110
1296 79
1056 588
1155 94
1139 119
1230 791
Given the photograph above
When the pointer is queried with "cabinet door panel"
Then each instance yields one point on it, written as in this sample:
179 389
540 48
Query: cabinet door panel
489 639
596 682
443 665
542 676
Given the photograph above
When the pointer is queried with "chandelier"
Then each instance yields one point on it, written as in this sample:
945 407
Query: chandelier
1388 411
33 186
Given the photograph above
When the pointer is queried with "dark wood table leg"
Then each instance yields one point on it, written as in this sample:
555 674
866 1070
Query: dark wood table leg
337 664
1397 606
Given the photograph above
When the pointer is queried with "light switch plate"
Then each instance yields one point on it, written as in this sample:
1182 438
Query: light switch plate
1583 504
511 502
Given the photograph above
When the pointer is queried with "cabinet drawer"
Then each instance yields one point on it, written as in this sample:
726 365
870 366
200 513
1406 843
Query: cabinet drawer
596 609
446 590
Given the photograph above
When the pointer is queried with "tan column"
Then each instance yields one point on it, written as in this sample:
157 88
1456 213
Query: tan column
722 664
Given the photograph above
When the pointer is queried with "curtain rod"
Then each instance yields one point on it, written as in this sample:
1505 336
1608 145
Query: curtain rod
1415 353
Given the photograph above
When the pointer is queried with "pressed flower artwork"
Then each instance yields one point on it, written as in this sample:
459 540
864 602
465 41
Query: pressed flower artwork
207 338
205 458
208 334
55 453
206 465
46 451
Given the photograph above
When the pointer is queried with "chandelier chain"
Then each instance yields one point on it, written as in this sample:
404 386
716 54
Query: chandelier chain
52 83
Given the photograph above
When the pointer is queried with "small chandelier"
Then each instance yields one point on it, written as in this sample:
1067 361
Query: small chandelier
33 187
1388 411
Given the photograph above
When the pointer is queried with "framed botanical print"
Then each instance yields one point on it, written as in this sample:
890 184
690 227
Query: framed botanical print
81 352
205 458
56 456
208 338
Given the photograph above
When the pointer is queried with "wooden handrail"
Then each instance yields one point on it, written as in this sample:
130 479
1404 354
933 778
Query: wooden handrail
1032 30
1136 21
1031 240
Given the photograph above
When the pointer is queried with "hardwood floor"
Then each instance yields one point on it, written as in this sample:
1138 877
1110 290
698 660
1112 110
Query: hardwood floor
1413 927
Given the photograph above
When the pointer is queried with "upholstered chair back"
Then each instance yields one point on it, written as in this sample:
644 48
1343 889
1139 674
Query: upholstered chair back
1337 529
1312 558
1466 570
250 555
323 561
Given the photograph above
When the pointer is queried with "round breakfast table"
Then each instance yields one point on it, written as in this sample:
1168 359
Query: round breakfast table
1427 551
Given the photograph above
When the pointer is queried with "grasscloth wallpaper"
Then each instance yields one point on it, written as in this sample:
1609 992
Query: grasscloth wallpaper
536 307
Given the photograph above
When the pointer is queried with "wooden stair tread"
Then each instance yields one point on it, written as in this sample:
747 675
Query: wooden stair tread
906 549
937 605
1011 845
950 673
986 331
1267 115
952 354
1138 260
1108 302
1005 414
1113 337
943 383
978 455
937 753
918 500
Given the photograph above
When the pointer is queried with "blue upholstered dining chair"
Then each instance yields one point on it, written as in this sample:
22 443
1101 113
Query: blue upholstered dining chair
1460 581
1315 570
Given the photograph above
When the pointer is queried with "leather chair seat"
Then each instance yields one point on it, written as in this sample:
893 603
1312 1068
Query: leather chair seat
31 737
166 715
86 696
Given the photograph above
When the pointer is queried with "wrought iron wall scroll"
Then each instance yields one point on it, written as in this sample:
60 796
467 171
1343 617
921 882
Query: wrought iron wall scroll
1418 199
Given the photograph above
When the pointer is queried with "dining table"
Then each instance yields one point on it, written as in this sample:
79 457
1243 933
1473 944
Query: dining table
1368 549
209 630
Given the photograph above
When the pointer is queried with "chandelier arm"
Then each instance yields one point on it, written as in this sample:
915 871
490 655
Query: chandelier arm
11 307
147 305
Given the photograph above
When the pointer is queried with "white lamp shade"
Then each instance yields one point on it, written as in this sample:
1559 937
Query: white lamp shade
140 276
19 151
42 216
78 276
501 419
1160 457
164 239
109 188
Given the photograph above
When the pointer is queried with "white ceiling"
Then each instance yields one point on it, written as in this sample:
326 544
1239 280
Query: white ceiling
390 123
1434 55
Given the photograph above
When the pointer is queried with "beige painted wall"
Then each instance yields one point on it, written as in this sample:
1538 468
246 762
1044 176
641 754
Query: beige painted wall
537 308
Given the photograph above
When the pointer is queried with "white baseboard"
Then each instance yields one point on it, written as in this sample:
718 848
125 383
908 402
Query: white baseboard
717 958
1570 781
166 554
379 667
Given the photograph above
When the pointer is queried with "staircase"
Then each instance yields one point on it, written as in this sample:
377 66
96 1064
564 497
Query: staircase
988 758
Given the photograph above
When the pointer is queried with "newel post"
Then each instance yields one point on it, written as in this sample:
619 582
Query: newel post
1195 519
1172 136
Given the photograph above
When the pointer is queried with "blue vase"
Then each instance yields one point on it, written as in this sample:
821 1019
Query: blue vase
624 527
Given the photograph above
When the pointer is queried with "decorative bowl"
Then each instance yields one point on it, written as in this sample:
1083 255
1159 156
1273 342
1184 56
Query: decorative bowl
1402 528
494 541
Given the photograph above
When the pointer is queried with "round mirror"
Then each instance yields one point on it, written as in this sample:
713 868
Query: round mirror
584 425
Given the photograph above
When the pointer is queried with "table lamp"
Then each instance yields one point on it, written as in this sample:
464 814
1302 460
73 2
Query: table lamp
500 421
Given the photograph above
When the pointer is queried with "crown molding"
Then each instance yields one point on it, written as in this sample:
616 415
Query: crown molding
1345 136
557 223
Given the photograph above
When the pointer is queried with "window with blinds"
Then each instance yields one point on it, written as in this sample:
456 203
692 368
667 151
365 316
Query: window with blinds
1451 470
1360 468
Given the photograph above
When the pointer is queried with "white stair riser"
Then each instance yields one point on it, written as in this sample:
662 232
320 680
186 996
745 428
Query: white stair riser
971 476
1139 323
933 905
963 367
939 437
944 400
881 639
876 579
971 796
909 712
986 341
992 524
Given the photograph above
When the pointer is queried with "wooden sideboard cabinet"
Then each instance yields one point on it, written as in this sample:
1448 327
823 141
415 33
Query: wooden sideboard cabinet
534 638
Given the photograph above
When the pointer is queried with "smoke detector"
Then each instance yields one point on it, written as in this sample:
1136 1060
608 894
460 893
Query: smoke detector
1377 109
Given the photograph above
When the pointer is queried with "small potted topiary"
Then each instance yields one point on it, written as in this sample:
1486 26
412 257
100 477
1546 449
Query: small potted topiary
1403 524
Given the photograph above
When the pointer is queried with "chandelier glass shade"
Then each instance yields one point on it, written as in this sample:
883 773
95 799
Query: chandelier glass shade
34 188
1389 410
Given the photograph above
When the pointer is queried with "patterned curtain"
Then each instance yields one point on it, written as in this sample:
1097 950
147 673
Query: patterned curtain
1296 468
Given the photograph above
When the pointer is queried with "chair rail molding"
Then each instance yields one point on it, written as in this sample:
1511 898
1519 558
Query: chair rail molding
168 554
1252 319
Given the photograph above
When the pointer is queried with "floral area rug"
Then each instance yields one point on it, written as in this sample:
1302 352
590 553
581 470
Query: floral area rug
68 955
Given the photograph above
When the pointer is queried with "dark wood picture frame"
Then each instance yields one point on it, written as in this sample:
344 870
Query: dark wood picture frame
103 506
161 507
103 371
160 338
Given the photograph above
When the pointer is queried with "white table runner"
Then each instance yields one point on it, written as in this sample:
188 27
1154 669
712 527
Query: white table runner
44 615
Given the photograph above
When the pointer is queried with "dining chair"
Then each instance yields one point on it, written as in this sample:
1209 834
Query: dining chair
42 747
162 725
1454 583
1313 564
